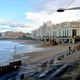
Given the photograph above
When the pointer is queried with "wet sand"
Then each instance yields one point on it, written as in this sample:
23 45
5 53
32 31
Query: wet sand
50 51
41 55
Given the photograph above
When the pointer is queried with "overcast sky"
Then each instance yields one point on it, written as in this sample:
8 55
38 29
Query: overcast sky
27 15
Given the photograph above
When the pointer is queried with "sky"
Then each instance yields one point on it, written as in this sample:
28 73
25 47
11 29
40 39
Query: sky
27 15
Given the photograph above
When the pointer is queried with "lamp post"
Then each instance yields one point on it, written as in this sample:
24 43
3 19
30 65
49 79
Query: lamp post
63 9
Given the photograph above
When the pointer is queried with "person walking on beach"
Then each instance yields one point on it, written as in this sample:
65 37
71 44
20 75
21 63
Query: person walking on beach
69 48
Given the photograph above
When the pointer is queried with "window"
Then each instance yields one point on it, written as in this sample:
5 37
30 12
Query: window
63 33
66 32
74 32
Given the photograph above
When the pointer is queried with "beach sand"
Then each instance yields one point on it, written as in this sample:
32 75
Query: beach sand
50 51
71 58
41 55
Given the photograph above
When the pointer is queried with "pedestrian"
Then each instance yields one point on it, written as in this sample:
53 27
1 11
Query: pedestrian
69 48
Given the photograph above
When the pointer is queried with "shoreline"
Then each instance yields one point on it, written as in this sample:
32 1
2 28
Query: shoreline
46 53
50 51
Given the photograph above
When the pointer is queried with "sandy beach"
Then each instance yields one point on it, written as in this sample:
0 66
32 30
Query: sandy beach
40 55
35 57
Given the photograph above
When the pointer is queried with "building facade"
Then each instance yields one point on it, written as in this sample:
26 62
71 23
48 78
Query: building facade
66 32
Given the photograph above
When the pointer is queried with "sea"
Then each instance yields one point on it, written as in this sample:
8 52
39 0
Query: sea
10 48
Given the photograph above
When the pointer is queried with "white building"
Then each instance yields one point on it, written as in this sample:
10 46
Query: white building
66 32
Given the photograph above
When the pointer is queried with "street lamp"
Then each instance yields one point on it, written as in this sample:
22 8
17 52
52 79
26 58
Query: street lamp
63 9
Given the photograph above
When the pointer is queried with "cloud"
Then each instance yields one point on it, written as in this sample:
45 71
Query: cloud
44 10
53 5
37 17
12 23
19 29
47 12
55 17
